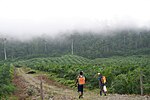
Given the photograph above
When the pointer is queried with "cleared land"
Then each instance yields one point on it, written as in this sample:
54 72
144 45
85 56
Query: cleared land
29 89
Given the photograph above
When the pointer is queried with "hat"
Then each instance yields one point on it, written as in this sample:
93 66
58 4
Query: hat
98 73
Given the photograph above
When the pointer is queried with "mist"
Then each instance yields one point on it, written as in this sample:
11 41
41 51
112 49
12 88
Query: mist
25 20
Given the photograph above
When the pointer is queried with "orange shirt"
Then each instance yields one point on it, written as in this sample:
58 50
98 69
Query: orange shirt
81 80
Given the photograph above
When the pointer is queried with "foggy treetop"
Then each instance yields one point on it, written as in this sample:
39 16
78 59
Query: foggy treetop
30 18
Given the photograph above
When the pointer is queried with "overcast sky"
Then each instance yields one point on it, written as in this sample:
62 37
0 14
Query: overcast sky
25 18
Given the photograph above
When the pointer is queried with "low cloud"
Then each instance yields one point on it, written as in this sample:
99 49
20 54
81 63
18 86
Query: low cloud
30 18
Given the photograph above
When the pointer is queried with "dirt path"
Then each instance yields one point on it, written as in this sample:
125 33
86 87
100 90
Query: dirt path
30 85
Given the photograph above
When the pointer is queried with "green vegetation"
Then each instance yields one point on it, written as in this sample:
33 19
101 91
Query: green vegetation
122 56
6 75
89 45
123 73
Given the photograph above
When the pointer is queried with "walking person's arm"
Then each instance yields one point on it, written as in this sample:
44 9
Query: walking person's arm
99 83
76 81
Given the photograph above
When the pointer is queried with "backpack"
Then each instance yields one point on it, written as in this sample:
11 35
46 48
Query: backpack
81 80
103 79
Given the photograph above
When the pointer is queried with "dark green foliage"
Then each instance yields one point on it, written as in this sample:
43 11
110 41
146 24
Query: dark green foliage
120 84
89 45
6 86
122 73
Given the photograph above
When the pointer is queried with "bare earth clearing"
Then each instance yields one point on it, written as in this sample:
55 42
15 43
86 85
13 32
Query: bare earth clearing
29 89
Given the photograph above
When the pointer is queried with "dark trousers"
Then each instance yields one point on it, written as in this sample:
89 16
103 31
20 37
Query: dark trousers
102 90
80 89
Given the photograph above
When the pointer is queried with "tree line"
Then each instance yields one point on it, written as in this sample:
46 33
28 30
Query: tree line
87 44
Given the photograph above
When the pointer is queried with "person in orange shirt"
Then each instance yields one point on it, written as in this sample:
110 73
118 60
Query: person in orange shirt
80 81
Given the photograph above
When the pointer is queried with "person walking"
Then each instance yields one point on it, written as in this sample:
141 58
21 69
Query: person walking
102 84
80 81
